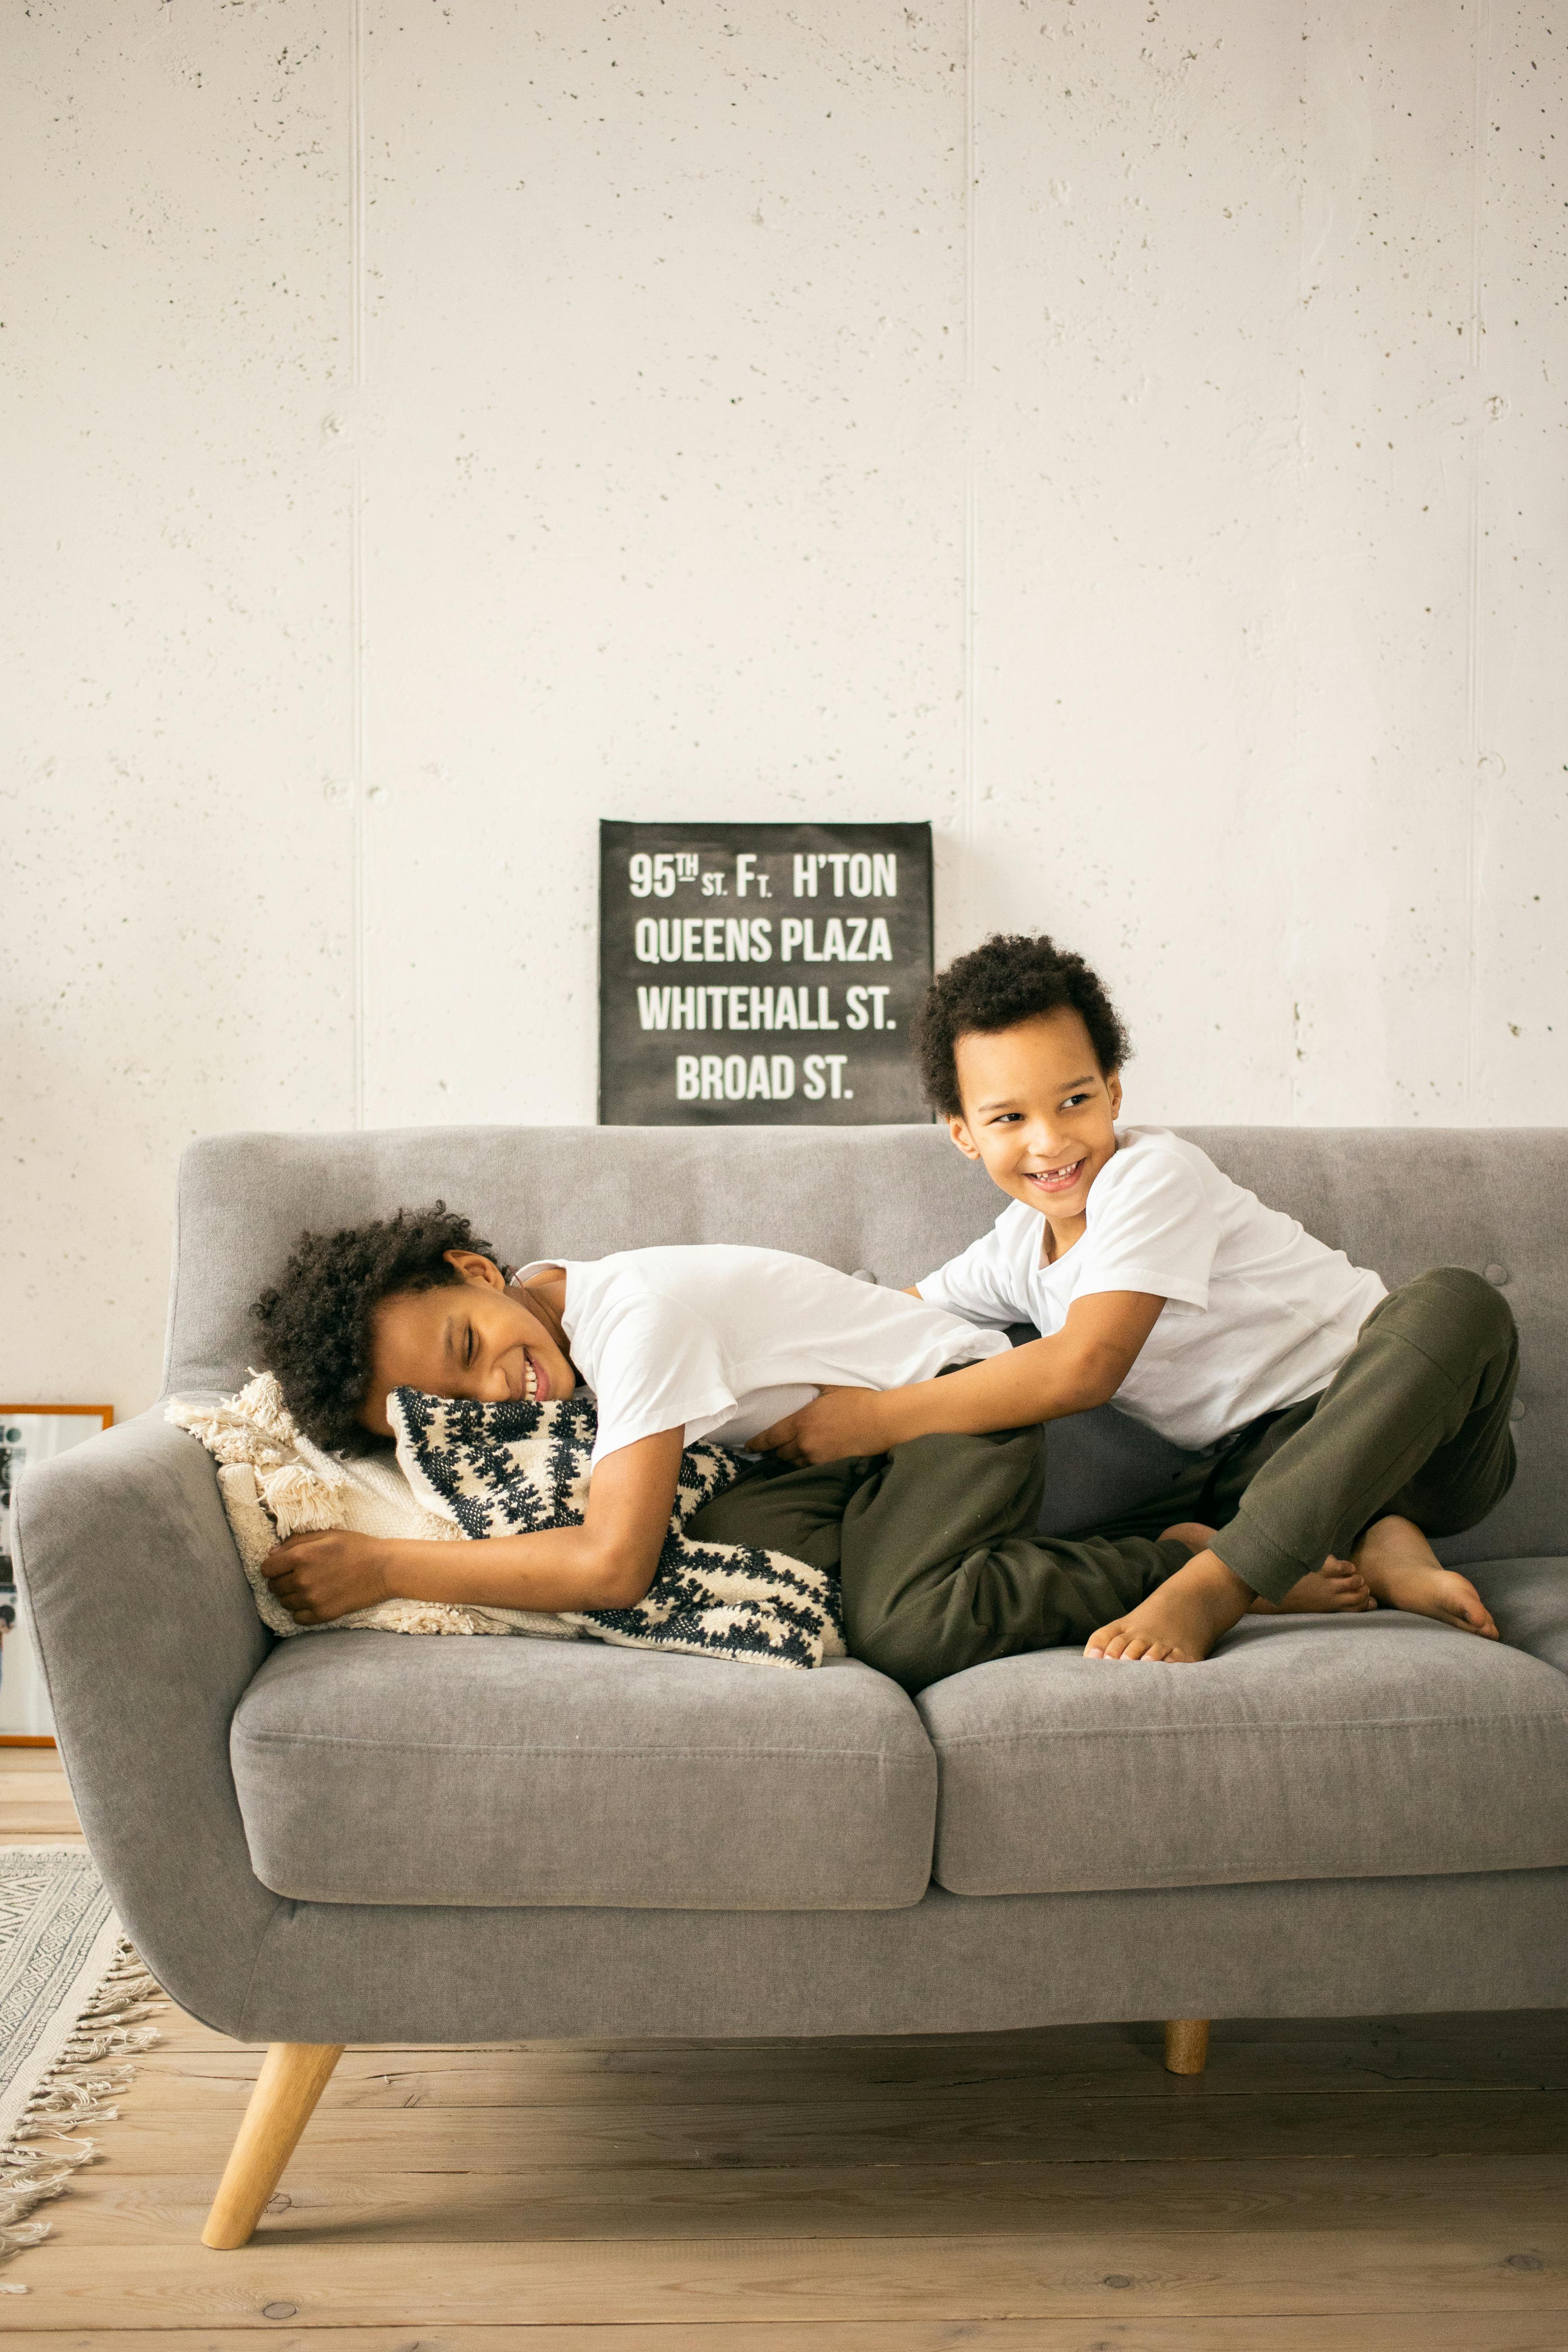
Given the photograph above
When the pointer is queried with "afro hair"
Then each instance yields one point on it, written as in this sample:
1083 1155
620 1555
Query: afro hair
315 1323
1011 976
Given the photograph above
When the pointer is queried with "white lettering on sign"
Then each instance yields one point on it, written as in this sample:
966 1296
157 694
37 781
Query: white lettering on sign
709 1078
855 1014
870 876
711 939
856 942
824 1075
752 1008
658 876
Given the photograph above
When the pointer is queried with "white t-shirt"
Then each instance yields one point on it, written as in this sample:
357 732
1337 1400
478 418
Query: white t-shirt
724 1341
1257 1314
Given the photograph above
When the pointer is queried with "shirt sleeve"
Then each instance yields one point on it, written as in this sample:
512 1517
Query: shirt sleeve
1150 1230
658 1365
981 1283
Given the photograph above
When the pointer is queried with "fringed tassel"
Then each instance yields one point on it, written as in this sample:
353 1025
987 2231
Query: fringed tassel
69 2095
87 2048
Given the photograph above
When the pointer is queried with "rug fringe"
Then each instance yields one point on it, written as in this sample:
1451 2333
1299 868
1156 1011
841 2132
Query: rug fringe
70 2096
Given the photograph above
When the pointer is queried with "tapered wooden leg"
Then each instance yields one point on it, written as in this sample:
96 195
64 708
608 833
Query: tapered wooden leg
293 2076
1186 2044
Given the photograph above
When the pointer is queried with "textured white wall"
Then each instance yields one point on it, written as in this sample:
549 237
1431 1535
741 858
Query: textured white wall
1128 435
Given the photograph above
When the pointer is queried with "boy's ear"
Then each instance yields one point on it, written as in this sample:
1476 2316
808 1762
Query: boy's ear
964 1140
474 1266
1113 1088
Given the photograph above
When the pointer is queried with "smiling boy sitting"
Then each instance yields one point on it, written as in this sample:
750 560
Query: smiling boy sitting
1329 1417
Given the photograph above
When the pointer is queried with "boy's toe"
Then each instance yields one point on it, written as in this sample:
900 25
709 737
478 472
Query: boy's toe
1471 1610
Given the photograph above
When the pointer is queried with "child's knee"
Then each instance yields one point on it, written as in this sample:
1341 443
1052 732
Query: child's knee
1465 1304
907 1636
894 1649
1485 1312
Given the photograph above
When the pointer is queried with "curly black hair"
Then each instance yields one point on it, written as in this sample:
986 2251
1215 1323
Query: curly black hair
1011 976
315 1323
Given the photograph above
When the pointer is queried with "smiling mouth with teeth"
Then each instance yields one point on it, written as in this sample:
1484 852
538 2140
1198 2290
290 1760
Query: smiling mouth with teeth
1056 1179
529 1378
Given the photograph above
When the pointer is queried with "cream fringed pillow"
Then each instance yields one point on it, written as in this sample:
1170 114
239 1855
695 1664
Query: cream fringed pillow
275 1483
467 1471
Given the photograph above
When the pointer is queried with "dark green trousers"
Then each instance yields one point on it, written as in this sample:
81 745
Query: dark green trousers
935 1548
1415 1422
934 1543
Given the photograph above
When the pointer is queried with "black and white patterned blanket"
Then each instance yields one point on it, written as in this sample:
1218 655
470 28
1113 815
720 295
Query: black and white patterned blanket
512 1469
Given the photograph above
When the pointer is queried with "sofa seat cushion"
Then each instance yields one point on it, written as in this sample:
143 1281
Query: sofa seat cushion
1529 1602
372 1769
1385 1746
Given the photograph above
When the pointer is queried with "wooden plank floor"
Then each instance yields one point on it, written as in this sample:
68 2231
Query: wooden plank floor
36 1806
1373 2186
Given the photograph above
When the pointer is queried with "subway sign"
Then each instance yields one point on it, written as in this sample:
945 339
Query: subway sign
762 974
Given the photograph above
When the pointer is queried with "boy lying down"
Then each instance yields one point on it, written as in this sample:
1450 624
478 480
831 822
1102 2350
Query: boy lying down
933 1542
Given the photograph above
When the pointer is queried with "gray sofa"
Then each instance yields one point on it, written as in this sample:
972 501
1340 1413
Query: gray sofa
358 1837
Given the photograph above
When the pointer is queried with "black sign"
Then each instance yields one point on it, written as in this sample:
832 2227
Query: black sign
754 974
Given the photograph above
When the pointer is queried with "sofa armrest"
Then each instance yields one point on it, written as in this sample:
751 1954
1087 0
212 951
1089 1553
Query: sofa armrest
148 1636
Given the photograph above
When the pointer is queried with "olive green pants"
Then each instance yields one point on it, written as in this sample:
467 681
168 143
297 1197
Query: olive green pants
934 1549
1416 1421
934 1543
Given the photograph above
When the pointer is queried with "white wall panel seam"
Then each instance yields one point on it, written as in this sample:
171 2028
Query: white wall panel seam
358 924
971 459
1475 701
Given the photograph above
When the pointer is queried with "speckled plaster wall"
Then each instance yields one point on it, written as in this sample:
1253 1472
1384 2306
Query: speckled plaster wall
1128 435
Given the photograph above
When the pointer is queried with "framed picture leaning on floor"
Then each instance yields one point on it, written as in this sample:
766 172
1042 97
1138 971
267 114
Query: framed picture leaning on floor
29 1434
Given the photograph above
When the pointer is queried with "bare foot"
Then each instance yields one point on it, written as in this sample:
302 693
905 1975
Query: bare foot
1189 1531
1181 1620
1336 1585
1404 1573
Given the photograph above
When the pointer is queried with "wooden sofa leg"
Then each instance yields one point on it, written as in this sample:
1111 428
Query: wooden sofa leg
293 2076
1186 2044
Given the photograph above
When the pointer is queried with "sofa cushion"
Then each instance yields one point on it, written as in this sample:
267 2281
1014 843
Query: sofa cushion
372 1769
1384 1746
1529 1602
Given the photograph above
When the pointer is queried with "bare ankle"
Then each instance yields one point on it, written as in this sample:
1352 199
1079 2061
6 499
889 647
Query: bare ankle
1192 1532
1182 1618
1389 1550
1219 1578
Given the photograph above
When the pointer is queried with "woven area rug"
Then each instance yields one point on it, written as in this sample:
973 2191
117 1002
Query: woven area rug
72 1992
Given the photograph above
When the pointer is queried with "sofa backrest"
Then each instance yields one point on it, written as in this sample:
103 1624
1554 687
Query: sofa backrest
895 1200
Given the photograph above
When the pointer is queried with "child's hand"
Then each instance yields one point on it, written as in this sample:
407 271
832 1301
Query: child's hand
838 1424
323 1575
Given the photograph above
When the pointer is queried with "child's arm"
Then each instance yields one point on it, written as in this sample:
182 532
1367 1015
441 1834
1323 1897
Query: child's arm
607 1563
1081 1365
